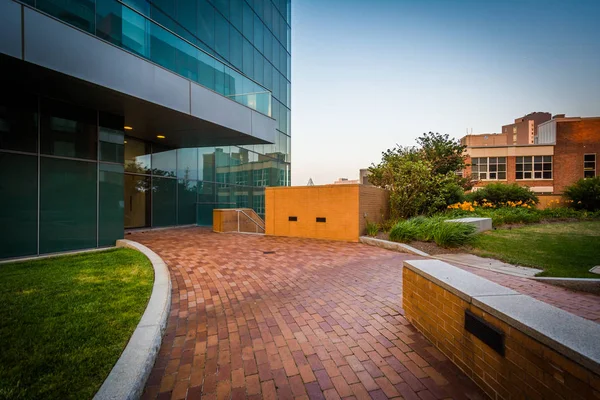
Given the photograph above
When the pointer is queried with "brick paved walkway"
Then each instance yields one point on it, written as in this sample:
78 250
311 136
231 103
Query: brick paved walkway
315 319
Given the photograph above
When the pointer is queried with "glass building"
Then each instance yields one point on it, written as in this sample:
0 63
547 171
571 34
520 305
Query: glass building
117 115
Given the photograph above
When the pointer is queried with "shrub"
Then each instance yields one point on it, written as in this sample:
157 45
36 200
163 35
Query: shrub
445 234
372 229
453 234
584 194
404 231
500 194
387 225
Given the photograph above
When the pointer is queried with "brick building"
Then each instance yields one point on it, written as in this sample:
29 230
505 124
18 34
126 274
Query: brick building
524 129
562 151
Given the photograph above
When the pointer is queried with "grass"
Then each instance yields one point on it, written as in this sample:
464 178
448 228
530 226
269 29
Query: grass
64 321
560 249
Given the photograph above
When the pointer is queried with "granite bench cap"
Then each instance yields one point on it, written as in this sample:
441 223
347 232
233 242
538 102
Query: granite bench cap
574 337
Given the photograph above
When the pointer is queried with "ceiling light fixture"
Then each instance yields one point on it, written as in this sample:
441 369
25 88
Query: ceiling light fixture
160 136
128 128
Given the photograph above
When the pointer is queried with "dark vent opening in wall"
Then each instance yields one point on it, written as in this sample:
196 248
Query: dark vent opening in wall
321 219
485 332
292 218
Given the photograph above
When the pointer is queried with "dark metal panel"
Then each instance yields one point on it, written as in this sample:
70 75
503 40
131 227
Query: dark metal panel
10 28
485 332
54 45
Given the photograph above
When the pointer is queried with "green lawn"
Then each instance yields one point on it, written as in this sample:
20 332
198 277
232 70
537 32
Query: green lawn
64 321
560 249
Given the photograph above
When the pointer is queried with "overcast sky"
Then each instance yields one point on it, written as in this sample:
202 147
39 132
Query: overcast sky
369 74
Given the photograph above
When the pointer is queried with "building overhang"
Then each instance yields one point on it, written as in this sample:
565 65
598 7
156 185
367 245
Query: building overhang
44 55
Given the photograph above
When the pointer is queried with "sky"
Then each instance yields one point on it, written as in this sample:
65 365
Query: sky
368 75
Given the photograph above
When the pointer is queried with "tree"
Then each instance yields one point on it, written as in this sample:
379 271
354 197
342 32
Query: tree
421 180
445 154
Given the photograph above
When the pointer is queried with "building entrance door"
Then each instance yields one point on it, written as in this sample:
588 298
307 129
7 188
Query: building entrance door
137 201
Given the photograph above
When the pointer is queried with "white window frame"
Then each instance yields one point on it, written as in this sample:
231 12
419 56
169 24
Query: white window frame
486 175
587 169
533 161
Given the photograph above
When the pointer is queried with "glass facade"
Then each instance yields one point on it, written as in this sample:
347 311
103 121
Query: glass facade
71 179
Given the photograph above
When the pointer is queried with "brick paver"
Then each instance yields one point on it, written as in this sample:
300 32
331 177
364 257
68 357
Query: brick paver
313 320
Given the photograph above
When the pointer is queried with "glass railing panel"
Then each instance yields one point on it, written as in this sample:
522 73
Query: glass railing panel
131 29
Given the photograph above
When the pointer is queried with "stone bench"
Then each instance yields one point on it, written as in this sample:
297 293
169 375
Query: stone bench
482 224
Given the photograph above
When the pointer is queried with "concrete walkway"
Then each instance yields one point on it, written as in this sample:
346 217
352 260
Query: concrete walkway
471 260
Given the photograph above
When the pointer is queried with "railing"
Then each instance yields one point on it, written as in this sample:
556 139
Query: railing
256 224
131 30
242 220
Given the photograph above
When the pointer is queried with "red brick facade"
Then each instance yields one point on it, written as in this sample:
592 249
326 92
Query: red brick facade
574 139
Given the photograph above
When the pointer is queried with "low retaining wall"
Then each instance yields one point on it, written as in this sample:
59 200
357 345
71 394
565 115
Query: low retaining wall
511 345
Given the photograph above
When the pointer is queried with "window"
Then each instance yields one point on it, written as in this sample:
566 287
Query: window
534 167
589 165
489 168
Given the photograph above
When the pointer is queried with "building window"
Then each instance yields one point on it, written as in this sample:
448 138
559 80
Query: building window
489 168
589 165
534 167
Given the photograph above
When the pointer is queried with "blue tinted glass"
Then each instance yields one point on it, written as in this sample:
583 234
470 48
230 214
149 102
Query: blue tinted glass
248 67
187 14
221 36
236 16
248 21
268 52
134 32
164 163
187 164
258 34
206 23
259 66
235 48
79 13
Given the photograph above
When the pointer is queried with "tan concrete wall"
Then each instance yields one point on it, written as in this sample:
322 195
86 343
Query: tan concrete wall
337 203
343 206
529 370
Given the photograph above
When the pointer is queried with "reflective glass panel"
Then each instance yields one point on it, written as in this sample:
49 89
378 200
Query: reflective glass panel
112 206
186 201
18 205
164 162
164 201
137 156
67 205
68 130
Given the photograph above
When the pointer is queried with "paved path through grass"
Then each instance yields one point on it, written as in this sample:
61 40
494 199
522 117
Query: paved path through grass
560 249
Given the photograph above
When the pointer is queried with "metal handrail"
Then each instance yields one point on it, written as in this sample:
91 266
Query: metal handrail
238 211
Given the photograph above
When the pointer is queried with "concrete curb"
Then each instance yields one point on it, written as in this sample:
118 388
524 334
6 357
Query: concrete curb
129 375
386 244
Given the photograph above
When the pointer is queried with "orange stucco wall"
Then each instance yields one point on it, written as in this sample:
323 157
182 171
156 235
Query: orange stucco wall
339 204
